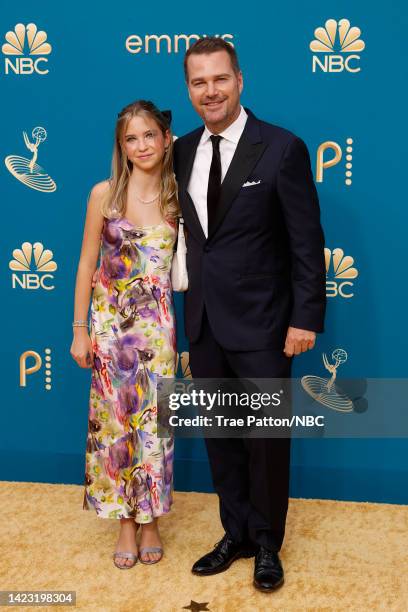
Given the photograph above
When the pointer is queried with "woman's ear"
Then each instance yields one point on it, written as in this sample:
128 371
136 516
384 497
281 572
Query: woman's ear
167 139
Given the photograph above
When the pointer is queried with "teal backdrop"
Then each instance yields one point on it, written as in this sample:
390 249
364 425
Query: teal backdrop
94 59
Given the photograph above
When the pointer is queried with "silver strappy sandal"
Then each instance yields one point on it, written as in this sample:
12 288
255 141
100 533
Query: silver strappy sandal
150 549
125 555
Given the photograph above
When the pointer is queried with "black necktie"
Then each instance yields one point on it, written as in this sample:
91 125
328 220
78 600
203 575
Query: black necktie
214 181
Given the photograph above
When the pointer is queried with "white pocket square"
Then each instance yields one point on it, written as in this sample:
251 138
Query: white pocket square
251 183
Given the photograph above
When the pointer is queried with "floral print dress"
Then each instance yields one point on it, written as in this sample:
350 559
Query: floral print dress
128 469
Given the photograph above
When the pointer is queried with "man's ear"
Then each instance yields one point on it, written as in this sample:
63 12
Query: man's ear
240 82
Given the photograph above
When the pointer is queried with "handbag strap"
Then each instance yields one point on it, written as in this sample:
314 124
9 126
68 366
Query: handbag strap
180 231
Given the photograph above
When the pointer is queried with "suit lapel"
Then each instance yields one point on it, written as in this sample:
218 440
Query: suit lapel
249 150
189 210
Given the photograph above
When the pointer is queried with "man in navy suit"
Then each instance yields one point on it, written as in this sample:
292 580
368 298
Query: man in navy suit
256 296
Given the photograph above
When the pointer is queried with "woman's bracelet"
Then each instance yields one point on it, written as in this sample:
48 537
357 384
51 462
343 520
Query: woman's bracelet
80 324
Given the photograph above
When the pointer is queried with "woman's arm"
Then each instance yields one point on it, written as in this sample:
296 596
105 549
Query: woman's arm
81 349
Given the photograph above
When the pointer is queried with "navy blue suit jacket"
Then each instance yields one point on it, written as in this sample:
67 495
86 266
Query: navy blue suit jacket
262 266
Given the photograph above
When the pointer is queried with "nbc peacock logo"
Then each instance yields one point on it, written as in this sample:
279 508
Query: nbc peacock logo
340 268
27 170
338 44
32 266
26 41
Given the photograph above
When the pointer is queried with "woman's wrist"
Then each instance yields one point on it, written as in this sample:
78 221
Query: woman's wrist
80 330
80 323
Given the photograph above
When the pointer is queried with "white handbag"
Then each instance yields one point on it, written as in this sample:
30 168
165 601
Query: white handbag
179 277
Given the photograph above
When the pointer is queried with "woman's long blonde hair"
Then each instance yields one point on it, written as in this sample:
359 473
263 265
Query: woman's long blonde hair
114 203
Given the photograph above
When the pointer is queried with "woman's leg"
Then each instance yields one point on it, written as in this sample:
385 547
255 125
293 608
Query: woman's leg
127 540
150 537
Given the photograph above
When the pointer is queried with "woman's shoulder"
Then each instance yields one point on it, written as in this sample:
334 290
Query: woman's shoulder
99 190
96 199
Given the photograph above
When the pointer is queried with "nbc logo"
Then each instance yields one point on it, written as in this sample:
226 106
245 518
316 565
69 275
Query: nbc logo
339 268
22 267
26 40
329 154
28 370
337 37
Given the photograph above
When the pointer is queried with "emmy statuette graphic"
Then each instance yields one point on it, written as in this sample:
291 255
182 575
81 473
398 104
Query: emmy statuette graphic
26 170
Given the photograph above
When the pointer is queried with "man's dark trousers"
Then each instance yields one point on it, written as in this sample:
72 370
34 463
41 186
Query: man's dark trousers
250 475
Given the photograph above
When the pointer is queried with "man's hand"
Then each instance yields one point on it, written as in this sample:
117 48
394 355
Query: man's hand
94 278
298 341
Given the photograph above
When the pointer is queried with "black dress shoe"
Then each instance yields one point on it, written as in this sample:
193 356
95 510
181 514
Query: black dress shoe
268 574
225 552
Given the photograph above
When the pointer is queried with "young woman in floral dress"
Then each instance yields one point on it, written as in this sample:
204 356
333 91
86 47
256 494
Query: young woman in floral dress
131 224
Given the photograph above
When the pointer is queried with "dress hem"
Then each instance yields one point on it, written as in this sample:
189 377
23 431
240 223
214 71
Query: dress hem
154 515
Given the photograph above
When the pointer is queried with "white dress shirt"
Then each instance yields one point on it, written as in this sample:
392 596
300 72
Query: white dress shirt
198 184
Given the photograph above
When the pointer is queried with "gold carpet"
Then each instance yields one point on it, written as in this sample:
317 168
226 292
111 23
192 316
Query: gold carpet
336 555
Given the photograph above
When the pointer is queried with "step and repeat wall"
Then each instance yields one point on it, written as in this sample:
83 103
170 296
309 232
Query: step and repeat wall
330 75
